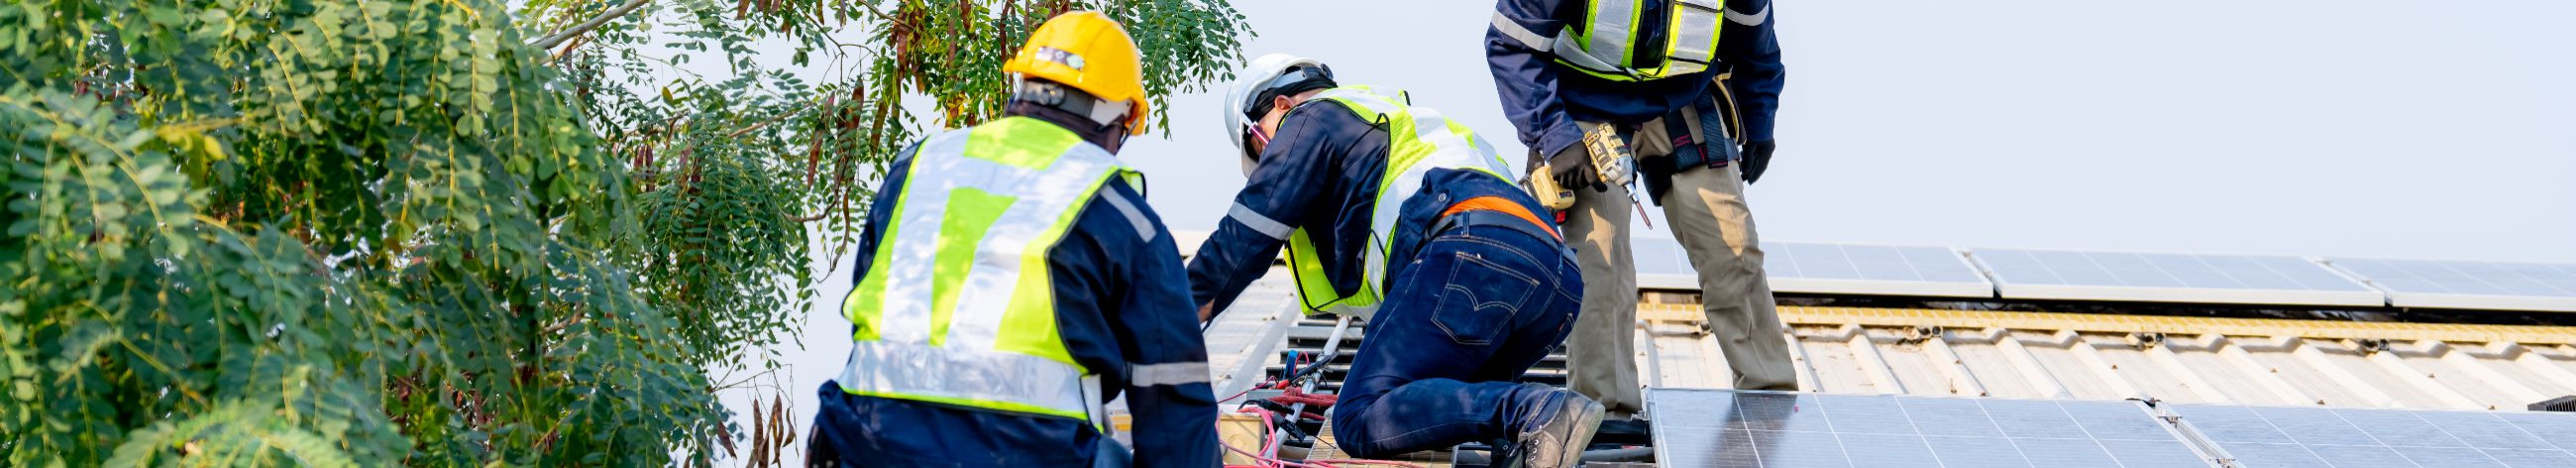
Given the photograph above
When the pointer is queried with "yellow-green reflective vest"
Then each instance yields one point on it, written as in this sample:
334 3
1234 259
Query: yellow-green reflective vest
957 306
1418 140
1605 44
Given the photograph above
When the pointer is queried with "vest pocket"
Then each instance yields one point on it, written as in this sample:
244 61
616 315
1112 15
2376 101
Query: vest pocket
1479 300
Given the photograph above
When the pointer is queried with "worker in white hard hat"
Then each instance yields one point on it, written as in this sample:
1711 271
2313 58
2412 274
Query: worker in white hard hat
1011 279
1596 86
1404 218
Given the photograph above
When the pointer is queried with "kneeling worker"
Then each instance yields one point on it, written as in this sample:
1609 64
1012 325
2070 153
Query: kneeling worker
1396 215
1012 279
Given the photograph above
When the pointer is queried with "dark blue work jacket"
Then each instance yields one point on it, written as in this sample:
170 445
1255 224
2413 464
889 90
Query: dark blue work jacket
1544 99
1321 174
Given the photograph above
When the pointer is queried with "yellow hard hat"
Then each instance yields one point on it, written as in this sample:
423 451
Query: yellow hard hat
1090 52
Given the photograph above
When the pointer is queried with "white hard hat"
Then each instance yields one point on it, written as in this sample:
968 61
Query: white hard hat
1251 84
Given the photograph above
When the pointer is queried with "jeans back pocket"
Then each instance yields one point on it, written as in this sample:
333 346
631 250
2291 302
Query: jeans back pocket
1480 300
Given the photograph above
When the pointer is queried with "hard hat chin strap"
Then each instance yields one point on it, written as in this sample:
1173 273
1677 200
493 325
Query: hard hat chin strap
1066 98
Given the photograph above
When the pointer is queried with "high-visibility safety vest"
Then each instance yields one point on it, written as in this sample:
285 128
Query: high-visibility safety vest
1418 140
957 307
1607 43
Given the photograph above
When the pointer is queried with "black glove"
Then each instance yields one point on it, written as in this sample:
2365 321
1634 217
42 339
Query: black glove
1757 157
1573 169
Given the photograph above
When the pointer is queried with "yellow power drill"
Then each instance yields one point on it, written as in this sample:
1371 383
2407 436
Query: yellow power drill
1609 158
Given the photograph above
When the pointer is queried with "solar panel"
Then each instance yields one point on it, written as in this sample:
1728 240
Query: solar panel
1760 429
2157 277
1821 268
2301 437
1661 264
2469 285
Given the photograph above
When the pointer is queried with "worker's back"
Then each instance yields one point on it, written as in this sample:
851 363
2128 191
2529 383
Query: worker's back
1335 187
1011 280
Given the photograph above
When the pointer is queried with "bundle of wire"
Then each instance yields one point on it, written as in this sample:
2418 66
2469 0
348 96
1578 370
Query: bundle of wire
1270 443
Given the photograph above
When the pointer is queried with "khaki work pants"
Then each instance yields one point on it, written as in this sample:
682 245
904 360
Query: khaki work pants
1708 214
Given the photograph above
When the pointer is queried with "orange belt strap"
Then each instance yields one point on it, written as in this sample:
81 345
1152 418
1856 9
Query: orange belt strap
1502 205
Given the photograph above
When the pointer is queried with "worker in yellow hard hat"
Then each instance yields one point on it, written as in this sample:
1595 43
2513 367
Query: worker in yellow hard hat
1011 279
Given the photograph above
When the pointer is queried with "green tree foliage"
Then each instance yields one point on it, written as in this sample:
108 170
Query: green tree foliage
453 232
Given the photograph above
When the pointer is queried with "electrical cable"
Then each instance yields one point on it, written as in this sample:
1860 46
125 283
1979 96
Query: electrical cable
1343 461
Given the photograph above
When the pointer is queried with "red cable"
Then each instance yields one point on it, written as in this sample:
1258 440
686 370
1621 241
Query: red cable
1366 462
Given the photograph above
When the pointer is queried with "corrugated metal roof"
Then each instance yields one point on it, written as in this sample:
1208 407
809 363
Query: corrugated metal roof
2184 359
1925 351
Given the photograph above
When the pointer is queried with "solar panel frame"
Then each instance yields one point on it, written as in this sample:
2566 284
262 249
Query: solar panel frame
2453 284
1768 429
2042 274
1844 268
2308 436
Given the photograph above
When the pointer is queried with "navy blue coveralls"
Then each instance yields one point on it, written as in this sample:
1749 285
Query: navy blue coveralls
1545 102
1466 312
1119 299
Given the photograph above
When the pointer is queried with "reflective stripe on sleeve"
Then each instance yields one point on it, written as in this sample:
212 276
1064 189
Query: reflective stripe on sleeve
1535 41
1172 373
1258 223
1144 227
1754 19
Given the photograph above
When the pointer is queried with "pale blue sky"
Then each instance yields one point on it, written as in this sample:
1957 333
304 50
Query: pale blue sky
2332 128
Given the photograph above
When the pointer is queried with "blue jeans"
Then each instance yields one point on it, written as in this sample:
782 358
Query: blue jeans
1475 308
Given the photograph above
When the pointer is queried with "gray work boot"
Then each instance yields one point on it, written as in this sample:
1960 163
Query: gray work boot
1559 442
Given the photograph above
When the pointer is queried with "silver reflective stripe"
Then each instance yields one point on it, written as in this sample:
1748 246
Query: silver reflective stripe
886 368
905 305
1091 402
1144 227
1610 32
1563 45
1535 41
1694 42
1585 60
1039 198
1754 19
1173 373
1258 223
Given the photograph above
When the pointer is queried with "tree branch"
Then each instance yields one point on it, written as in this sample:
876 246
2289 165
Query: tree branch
558 38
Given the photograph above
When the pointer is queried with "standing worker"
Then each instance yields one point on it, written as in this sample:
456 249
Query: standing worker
1401 217
1012 279
1578 78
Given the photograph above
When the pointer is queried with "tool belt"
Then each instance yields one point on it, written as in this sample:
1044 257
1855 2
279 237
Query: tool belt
1700 137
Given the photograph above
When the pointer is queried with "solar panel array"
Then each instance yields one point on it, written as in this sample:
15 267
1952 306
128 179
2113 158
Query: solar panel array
2155 277
2469 285
1872 269
1821 268
2313 437
1839 268
1756 429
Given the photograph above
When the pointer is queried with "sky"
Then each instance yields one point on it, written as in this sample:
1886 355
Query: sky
2354 128
2351 128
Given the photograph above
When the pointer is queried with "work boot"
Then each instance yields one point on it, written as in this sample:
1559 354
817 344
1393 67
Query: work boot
1559 440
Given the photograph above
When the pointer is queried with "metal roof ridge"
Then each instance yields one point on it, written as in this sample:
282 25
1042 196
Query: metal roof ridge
2119 323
